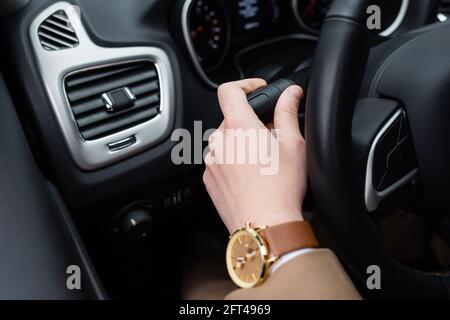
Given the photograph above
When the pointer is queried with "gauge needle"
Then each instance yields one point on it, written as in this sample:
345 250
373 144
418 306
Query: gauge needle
196 31
311 7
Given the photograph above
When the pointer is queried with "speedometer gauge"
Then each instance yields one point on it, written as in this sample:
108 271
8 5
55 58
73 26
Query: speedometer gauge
209 32
311 13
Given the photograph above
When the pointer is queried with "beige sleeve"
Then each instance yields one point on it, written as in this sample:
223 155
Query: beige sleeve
317 275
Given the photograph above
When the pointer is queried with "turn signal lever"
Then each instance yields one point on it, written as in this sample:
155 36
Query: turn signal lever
264 100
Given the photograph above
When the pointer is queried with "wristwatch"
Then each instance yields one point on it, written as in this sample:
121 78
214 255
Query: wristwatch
252 251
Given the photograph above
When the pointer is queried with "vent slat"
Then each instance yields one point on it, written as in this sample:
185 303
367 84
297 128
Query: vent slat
84 91
96 103
57 32
94 75
104 115
62 16
119 124
145 88
66 36
52 38
58 24
49 46
105 85
88 106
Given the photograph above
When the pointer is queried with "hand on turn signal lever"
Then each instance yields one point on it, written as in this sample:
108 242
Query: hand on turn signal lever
254 174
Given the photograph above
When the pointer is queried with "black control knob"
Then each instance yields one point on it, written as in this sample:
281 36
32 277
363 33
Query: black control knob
137 224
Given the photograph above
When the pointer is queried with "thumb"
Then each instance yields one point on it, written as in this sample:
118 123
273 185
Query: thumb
286 111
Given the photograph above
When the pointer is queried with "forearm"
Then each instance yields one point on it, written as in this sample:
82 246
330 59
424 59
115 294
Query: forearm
317 275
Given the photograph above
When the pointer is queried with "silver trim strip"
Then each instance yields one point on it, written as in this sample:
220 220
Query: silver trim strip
123 144
398 21
187 39
55 65
372 196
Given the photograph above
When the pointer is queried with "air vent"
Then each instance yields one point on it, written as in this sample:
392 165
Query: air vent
57 32
135 86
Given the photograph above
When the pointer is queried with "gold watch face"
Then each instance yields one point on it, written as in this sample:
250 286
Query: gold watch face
247 259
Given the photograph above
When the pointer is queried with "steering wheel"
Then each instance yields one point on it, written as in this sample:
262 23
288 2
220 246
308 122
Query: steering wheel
371 155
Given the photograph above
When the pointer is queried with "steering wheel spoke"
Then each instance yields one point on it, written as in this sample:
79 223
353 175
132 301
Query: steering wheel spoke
382 138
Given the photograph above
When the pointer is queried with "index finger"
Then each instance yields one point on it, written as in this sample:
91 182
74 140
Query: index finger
233 97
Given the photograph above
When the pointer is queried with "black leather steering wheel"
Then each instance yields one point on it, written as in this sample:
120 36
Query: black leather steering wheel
411 84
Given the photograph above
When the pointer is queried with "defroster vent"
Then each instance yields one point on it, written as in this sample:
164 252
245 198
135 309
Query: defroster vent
110 99
57 32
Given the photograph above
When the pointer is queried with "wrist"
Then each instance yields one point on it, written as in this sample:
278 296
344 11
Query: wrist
271 219
278 217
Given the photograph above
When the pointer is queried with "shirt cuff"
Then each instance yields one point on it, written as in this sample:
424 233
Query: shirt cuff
289 257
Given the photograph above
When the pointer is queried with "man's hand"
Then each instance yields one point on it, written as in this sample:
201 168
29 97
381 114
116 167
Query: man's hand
239 191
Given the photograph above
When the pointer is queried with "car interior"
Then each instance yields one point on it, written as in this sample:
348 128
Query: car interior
92 90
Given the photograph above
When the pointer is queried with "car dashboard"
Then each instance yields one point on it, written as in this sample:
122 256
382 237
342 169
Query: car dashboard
162 58
100 86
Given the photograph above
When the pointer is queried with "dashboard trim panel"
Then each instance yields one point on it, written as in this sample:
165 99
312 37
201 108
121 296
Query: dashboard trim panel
54 66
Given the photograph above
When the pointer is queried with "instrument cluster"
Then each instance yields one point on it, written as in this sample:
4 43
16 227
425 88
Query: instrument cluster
215 25
215 30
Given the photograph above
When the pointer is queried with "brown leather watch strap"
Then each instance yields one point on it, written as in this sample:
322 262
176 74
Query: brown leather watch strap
288 237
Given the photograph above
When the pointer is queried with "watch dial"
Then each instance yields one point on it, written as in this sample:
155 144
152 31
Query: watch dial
245 259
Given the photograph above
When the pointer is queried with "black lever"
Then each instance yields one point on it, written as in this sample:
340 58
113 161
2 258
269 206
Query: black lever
264 100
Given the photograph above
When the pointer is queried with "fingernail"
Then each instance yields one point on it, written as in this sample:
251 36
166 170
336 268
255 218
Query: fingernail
295 91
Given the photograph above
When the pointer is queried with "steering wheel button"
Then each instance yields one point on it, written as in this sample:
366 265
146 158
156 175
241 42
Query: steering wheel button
379 166
390 139
380 185
401 161
395 157
404 130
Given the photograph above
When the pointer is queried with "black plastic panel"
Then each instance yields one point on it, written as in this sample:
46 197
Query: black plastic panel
37 238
